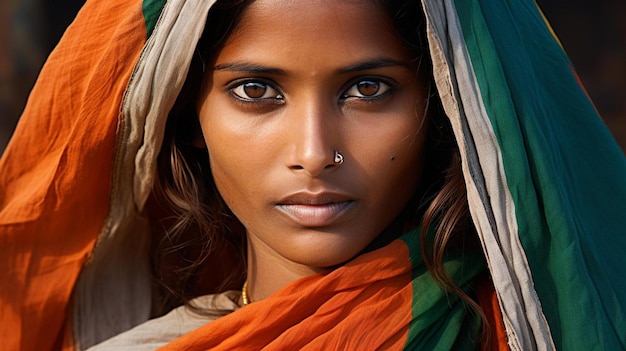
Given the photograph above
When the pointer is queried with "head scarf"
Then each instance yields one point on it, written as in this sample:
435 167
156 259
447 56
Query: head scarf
545 179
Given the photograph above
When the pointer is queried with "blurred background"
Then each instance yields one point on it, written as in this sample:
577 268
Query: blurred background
593 34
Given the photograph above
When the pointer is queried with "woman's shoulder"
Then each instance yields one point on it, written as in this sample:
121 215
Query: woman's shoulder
157 332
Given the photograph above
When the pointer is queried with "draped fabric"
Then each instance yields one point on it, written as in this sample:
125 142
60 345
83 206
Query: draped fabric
56 173
382 300
545 183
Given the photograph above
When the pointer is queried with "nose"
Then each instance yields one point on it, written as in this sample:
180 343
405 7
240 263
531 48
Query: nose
315 137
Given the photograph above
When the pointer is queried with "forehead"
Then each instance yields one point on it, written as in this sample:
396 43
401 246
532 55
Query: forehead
313 30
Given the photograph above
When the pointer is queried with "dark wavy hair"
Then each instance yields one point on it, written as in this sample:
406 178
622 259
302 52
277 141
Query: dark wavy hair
200 246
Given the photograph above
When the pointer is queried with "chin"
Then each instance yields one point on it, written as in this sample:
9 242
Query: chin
327 254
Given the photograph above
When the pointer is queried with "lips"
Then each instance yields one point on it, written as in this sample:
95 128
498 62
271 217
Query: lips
315 210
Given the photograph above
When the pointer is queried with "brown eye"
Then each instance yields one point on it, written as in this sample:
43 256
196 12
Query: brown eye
367 89
255 90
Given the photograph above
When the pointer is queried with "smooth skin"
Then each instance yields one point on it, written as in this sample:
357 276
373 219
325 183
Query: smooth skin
296 81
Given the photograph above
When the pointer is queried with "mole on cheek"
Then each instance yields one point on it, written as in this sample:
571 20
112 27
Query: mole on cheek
393 158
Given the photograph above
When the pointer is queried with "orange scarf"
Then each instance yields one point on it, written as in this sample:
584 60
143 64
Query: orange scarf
55 176
384 300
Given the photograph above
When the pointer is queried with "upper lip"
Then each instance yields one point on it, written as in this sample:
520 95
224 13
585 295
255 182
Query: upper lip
314 199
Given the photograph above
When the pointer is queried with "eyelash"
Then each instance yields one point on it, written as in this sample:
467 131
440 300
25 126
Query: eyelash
384 85
241 85
237 91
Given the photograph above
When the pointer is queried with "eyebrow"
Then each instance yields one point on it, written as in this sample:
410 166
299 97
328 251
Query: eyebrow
374 63
248 68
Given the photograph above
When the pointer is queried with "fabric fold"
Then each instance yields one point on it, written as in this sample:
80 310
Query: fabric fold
55 175
382 300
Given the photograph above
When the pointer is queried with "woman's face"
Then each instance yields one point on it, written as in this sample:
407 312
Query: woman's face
296 81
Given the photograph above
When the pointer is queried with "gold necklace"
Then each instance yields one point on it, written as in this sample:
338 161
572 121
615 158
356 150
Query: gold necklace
244 293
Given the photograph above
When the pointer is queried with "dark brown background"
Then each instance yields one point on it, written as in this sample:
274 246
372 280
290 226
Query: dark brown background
592 33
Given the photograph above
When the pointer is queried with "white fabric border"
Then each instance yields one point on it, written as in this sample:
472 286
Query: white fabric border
118 269
491 204
162 71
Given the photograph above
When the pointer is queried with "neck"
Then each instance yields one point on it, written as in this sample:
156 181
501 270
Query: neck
268 272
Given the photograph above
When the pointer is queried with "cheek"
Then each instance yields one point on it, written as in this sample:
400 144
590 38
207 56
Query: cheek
238 162
226 163
399 160
231 168
394 146
404 166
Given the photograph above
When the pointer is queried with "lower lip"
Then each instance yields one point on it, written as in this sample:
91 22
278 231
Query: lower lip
315 215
